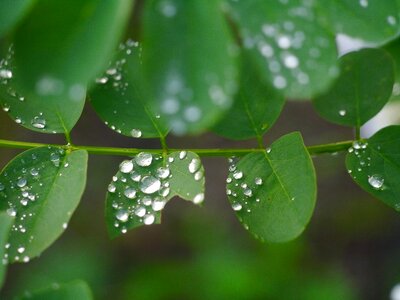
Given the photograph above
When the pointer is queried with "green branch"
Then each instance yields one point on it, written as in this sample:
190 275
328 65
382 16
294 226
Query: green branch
313 150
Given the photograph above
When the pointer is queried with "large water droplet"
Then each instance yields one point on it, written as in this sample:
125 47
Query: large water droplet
194 165
21 182
236 206
158 204
122 215
136 133
199 198
149 219
140 211
150 185
144 159
376 181
130 193
238 174
126 166
163 173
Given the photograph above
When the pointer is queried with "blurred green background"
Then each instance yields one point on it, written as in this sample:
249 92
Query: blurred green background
350 249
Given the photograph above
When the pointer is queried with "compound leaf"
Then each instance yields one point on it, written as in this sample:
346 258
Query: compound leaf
271 198
375 165
76 290
54 58
5 226
143 186
191 89
364 86
41 188
374 21
297 54
256 107
121 99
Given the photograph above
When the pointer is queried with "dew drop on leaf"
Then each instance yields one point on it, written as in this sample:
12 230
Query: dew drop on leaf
144 159
376 181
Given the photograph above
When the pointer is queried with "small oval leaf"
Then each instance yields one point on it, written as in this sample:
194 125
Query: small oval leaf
271 198
121 99
75 290
362 89
297 54
56 57
143 186
6 222
191 89
375 21
256 107
40 187
375 165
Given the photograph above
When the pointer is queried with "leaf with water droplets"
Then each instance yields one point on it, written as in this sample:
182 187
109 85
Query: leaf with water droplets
41 188
256 108
375 165
295 53
55 58
143 186
11 12
6 222
75 290
128 113
191 89
273 200
362 89
374 21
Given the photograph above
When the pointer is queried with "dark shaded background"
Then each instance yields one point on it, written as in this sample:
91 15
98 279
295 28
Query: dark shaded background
350 249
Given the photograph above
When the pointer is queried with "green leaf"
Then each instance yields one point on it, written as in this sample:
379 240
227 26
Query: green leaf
41 188
143 186
256 108
362 89
11 12
374 21
375 165
76 290
5 226
394 50
56 57
121 99
273 199
189 61
297 55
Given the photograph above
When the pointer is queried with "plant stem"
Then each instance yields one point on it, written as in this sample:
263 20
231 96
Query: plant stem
313 150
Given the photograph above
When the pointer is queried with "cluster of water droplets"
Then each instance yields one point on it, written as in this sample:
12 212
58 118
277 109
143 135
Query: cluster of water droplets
242 191
362 153
138 192
114 77
21 192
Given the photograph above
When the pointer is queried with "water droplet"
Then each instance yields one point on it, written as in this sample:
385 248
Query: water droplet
182 154
135 176
342 112
11 212
130 193
248 192
21 249
122 215
6 74
376 181
111 188
55 159
236 206
150 185
163 173
126 166
146 201
164 192
268 150
258 181
291 61
199 175
140 211
149 219
238 175
194 165
38 122
158 204
364 3
144 159
21 182
199 198
136 133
